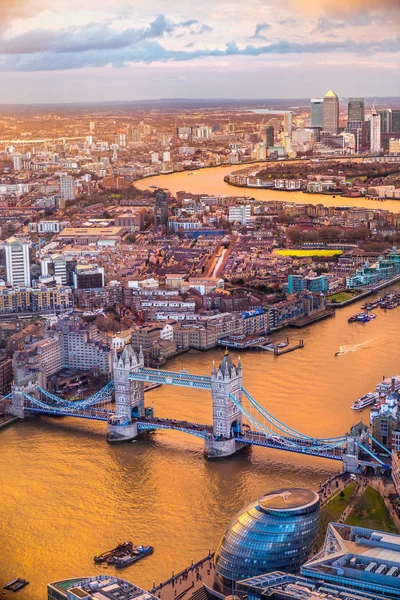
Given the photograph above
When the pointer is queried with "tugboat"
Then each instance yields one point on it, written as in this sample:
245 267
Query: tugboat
133 556
115 552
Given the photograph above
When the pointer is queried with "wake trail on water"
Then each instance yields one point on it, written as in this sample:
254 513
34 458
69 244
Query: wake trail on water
355 347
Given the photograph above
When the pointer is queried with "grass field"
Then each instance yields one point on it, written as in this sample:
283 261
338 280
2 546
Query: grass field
307 253
371 512
340 297
332 510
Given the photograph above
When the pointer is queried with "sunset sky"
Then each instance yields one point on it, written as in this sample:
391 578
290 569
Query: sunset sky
94 50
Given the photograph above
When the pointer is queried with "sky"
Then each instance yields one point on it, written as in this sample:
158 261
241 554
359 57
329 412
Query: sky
115 50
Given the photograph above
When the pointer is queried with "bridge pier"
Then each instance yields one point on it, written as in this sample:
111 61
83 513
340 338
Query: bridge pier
17 407
226 382
223 448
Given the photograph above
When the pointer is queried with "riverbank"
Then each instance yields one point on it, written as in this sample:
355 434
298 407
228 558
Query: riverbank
210 181
376 288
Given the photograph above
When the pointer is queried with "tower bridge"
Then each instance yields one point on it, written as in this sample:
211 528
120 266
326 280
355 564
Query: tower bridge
238 420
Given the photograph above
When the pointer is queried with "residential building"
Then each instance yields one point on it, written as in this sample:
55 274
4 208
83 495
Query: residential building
331 113
395 121
287 123
240 214
6 375
375 132
55 265
17 262
161 209
394 147
83 346
67 191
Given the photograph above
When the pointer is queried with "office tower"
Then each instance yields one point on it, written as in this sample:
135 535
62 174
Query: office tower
395 121
270 136
67 186
287 124
317 112
92 125
375 140
386 120
161 209
357 129
17 262
331 113
356 110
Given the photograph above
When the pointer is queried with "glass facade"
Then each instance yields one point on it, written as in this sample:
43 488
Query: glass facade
277 532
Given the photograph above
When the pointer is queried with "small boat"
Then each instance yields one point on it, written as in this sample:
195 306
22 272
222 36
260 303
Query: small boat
133 556
16 584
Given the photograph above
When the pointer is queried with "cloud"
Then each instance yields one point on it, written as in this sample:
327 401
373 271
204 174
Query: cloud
94 36
325 24
151 50
343 9
260 28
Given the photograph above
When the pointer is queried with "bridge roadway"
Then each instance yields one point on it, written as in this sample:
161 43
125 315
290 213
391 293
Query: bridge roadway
299 445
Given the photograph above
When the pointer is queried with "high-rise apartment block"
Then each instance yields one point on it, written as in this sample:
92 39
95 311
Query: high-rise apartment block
161 209
375 137
17 262
67 187
331 113
317 112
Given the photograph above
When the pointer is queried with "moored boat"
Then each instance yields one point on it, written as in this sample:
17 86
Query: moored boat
110 554
133 556
364 401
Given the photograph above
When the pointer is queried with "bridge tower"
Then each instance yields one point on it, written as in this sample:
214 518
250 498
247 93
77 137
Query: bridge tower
226 381
129 396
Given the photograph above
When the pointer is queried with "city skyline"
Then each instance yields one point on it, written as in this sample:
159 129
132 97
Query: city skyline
59 52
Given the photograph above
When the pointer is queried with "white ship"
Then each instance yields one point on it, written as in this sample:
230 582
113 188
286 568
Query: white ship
365 401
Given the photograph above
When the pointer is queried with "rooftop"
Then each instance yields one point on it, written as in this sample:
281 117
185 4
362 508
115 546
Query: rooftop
288 498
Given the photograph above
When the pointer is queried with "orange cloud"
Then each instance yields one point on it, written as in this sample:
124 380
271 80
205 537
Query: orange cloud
344 8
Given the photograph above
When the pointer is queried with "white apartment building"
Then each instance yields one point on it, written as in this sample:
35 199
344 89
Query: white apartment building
67 186
51 226
375 124
17 262
240 214
55 265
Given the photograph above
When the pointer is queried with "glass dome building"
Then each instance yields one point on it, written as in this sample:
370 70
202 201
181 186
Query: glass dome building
275 533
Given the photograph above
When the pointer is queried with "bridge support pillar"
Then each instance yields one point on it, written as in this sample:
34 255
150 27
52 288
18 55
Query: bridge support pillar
222 448
129 397
350 456
17 406
226 383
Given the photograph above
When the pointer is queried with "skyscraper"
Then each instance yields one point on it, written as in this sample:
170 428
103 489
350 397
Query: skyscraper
270 136
161 209
386 119
331 113
17 262
317 112
287 124
396 121
356 110
375 140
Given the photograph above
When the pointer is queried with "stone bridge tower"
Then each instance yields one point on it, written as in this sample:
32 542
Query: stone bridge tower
226 381
129 396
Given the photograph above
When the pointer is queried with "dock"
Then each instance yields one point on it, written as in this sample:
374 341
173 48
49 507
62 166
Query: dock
279 351
330 312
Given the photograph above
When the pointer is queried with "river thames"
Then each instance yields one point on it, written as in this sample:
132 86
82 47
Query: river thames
67 495
211 182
